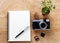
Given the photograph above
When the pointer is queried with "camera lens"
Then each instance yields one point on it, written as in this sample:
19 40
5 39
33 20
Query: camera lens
43 25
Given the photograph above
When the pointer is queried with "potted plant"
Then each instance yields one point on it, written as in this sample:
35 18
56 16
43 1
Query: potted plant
47 6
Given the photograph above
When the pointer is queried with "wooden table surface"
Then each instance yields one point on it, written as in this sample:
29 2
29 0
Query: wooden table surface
52 35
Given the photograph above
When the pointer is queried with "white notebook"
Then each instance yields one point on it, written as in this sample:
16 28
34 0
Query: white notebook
18 21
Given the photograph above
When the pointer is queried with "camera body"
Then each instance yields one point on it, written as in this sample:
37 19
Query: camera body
42 24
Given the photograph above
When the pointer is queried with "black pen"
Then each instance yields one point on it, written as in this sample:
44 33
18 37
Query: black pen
22 31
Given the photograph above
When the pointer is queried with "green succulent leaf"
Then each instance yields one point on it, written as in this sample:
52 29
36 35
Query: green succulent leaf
54 7
48 5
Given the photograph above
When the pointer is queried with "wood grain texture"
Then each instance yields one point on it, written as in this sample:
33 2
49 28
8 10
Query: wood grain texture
52 36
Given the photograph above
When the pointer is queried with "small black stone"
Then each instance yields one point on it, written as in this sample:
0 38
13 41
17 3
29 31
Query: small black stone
42 34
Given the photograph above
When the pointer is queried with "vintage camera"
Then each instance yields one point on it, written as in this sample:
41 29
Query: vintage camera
43 24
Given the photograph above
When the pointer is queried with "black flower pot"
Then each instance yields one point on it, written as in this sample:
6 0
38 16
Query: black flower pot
45 11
